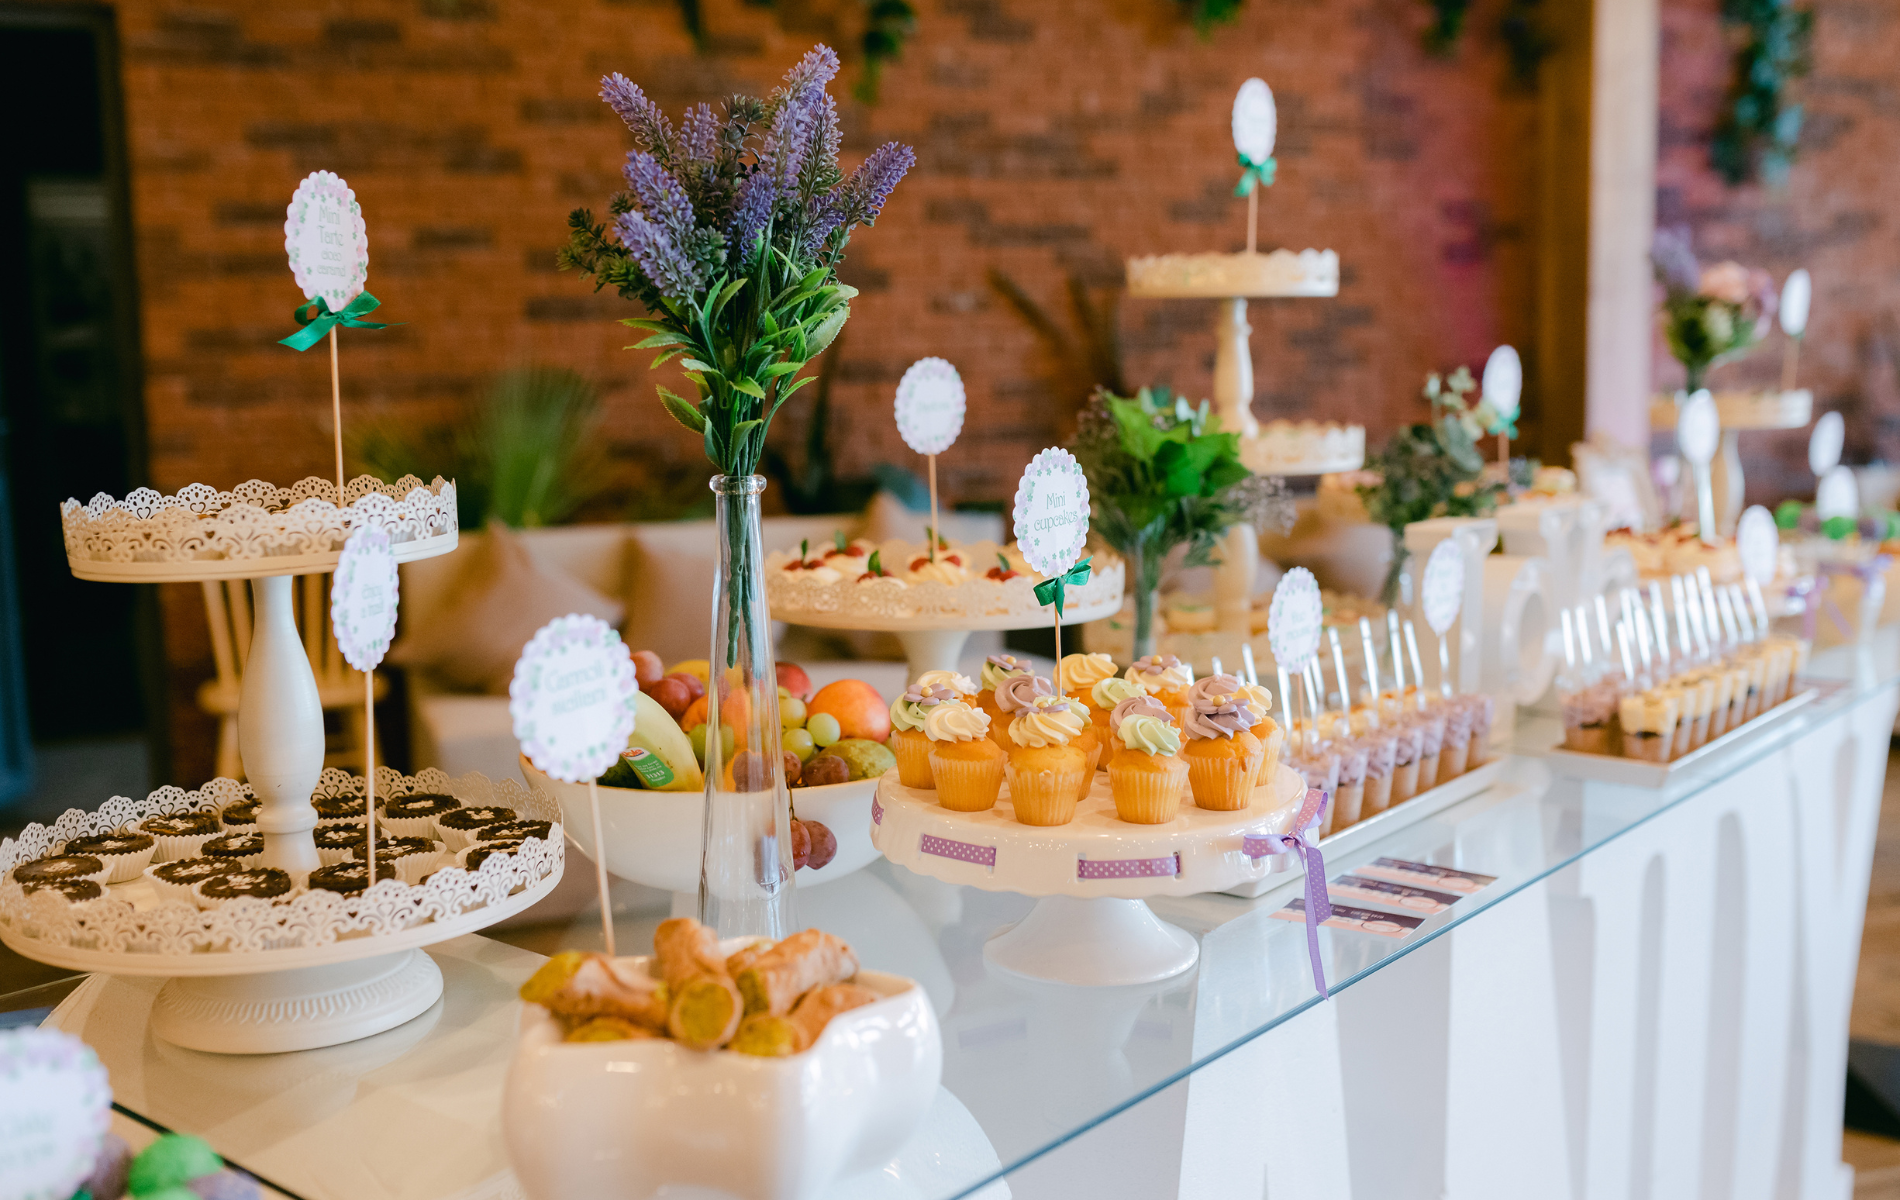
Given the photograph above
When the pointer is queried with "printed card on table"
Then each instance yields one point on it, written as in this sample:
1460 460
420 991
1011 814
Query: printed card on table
1427 875
1364 920
1368 890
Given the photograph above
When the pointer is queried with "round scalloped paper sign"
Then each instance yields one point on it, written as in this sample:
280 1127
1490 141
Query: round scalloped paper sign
572 698
363 598
1825 443
1052 512
1698 428
1293 619
1256 120
1441 592
55 1109
930 406
1504 381
1838 495
1797 293
326 240
1757 544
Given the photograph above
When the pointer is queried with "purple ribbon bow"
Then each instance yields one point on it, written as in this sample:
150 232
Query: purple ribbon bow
1303 840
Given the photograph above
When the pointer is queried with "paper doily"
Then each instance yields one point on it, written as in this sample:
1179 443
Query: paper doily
791 595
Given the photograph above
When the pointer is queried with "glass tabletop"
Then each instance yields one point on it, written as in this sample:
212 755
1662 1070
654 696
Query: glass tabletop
1027 1066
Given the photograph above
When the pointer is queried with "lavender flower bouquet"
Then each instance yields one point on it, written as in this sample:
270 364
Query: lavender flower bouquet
1709 314
730 233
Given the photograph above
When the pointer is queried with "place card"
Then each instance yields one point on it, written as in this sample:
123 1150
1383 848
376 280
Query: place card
1427 875
930 405
1364 920
1052 511
326 240
1366 889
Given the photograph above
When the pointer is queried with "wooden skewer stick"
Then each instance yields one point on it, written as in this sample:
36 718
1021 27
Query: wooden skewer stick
336 421
1504 456
1789 360
600 868
1253 219
369 766
936 529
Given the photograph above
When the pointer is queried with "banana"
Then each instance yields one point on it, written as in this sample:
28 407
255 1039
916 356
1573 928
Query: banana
655 731
698 668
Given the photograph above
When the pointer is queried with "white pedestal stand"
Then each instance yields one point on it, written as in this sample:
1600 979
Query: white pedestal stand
928 647
1090 926
1740 412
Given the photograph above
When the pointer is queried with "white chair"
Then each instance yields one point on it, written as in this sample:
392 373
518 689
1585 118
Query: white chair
339 686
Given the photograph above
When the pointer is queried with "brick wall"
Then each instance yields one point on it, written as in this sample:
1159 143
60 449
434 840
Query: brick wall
1835 216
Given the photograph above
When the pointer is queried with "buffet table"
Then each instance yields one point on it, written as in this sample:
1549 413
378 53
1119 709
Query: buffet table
1655 987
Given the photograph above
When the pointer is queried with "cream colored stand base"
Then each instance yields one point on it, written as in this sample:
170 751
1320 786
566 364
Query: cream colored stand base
1094 943
299 1009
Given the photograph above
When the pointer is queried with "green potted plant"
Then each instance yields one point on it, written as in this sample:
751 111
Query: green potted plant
1712 314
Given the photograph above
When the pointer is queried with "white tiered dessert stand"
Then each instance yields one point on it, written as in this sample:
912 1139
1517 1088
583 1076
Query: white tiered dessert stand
254 977
1740 412
933 620
1090 925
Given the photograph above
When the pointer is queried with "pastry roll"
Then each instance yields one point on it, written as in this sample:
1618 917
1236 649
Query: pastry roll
576 986
815 1011
704 1011
684 948
766 1036
777 978
609 1029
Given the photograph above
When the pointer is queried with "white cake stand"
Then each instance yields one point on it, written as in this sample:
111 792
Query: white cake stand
1739 412
931 620
1090 926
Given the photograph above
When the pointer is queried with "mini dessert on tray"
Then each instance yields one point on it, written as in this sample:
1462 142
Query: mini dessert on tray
966 766
1047 770
1148 774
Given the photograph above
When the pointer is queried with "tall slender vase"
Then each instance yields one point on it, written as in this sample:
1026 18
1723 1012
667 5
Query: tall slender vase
745 872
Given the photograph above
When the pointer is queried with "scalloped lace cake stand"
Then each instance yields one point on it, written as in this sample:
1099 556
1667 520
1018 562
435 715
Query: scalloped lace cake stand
1090 926
933 620
255 977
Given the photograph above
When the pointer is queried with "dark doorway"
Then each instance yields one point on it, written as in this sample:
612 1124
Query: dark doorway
82 656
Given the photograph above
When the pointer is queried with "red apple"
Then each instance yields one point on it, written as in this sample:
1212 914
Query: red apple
672 695
793 679
694 688
648 669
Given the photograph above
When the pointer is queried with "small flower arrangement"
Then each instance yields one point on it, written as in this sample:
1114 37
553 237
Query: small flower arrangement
1709 314
730 232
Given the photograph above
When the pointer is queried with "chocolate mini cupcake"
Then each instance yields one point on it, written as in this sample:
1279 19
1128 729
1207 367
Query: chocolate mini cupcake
407 858
344 878
337 843
179 879
239 849
340 810
181 835
414 816
55 867
458 828
472 858
74 890
242 815
512 830
125 854
258 883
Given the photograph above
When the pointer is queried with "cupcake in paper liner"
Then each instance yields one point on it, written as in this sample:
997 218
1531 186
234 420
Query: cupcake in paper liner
1047 772
340 810
1223 755
457 829
1146 777
55 867
908 741
966 765
179 879
75 891
179 835
337 843
472 858
238 849
254 883
414 816
515 830
343 878
125 854
410 857
241 815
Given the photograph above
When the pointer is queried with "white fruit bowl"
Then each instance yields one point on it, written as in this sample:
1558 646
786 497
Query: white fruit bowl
654 837
632 1120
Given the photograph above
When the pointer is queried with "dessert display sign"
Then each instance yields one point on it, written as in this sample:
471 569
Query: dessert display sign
1256 122
1797 293
363 598
1824 444
55 1109
930 404
1503 383
1757 543
326 240
1441 591
1052 512
1293 619
1838 495
572 698
1698 428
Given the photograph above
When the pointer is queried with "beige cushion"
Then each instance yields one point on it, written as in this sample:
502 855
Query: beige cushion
471 639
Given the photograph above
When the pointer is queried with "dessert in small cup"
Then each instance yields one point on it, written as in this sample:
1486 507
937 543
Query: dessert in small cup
55 867
908 741
73 891
1103 698
1431 744
1457 744
514 831
1349 799
1381 746
997 668
344 878
256 883
1405 754
1141 703
1166 678
1483 712
125 854
472 858
340 810
1318 764
967 766
238 849
1588 715
1222 754
415 815
1145 779
179 879
1649 724
457 829
180 834
241 815
1047 770
410 857
335 843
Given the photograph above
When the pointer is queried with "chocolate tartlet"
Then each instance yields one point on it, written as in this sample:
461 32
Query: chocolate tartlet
242 815
394 847
422 804
234 846
340 837
337 808
188 871
181 824
479 854
107 844
344 878
467 819
262 883
56 867
73 889
514 830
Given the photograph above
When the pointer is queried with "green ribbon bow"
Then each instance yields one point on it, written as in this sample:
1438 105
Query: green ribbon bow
1253 174
1052 589
317 320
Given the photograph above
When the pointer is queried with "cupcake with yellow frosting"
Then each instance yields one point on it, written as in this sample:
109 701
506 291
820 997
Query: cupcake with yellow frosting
1012 694
1166 678
1145 779
966 764
908 741
997 668
1103 698
1272 737
1223 755
1047 770
1078 675
962 685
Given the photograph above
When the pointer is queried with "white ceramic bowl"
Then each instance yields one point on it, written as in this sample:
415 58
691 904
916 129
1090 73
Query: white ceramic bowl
654 837
624 1120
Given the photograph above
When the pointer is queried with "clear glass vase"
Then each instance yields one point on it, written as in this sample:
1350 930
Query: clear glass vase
745 873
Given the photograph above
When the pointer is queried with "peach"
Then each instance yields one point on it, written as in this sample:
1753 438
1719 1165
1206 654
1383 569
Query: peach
793 679
647 668
860 711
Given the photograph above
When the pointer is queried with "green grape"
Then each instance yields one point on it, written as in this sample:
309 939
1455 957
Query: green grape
799 742
791 712
824 729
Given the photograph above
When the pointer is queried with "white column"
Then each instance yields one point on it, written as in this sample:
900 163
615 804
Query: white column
1623 116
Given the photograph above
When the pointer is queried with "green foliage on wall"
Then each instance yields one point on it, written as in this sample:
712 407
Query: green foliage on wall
1761 126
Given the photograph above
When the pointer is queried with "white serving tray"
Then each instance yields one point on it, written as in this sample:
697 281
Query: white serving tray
1425 804
1611 768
